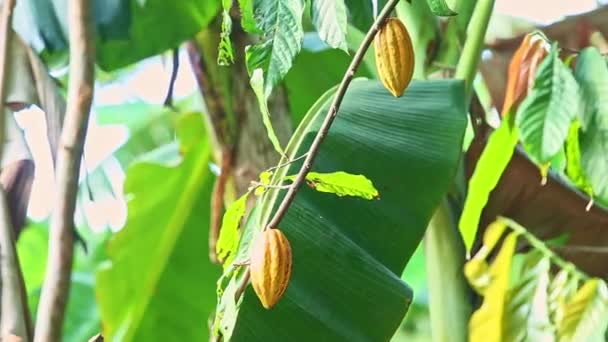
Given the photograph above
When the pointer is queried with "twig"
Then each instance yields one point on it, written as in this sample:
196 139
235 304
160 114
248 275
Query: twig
269 186
55 288
287 163
14 312
174 69
322 133
540 246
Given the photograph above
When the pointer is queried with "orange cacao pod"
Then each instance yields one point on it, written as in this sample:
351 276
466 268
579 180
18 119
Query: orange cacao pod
394 56
270 266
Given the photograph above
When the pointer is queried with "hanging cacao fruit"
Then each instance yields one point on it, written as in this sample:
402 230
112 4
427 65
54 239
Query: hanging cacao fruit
270 266
394 56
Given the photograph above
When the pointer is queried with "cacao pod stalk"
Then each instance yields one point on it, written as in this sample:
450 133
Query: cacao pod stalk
270 266
394 56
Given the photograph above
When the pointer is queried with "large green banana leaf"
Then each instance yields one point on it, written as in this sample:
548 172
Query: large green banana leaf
158 284
349 253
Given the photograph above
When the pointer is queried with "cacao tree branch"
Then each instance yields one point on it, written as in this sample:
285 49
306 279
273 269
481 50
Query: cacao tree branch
322 133
14 315
331 115
56 284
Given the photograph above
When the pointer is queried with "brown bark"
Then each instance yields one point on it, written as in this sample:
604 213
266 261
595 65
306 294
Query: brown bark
234 119
55 289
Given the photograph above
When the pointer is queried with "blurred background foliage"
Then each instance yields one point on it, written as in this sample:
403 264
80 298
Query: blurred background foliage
134 138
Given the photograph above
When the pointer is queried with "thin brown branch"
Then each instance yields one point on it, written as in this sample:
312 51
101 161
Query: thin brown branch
14 315
325 126
55 289
5 40
331 115
174 69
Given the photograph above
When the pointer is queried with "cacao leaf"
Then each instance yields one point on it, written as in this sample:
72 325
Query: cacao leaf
257 83
592 75
281 24
492 163
586 314
522 70
545 115
441 8
329 18
228 241
342 184
225 55
574 169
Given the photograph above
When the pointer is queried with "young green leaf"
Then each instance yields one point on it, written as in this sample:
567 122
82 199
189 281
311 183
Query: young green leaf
586 314
228 241
441 8
226 51
281 24
341 184
257 83
329 18
592 75
562 288
545 115
574 169
492 163
247 16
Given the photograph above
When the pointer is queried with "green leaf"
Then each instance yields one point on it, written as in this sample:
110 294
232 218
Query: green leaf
490 166
410 147
592 75
545 115
487 322
82 318
159 261
281 24
225 55
361 13
329 18
527 309
247 16
257 83
228 241
586 314
562 288
440 7
127 31
341 184
574 169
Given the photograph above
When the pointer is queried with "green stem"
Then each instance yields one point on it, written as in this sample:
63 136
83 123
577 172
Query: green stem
471 52
448 300
542 247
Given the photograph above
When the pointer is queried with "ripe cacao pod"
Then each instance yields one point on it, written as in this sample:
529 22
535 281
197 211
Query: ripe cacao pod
270 266
394 56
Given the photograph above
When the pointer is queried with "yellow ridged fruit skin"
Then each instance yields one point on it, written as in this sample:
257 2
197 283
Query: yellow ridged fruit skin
394 56
270 266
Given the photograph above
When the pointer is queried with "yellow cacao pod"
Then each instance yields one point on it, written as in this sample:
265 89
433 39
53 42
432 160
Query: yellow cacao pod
270 266
394 56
